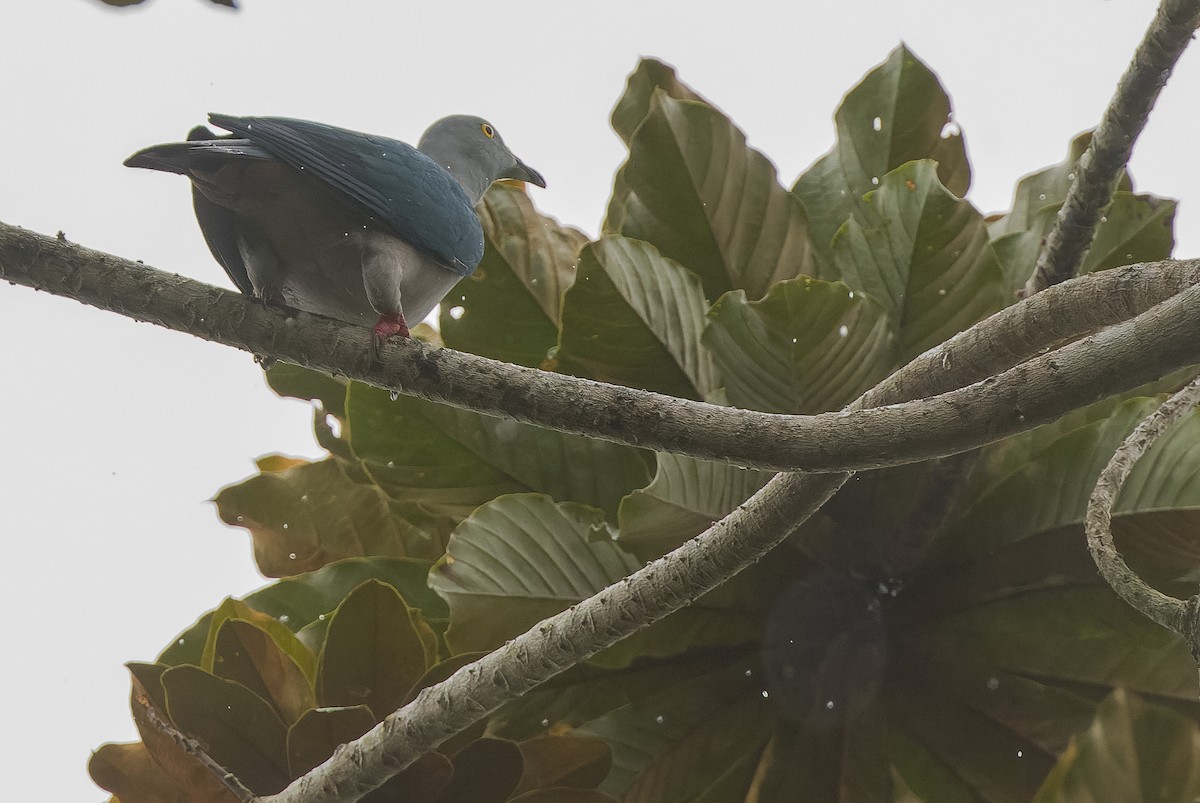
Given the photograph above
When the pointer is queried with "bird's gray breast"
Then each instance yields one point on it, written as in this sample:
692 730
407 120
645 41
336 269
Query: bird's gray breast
304 245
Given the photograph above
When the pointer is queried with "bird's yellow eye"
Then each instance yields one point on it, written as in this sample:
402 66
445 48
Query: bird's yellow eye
487 130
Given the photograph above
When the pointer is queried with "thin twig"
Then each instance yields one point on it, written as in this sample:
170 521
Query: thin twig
1100 167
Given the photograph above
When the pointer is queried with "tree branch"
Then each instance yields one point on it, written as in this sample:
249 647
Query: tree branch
1025 396
1171 613
1100 167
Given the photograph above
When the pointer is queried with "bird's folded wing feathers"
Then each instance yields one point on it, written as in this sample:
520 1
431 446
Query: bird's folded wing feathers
407 192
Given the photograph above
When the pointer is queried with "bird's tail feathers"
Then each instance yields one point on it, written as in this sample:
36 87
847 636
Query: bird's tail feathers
202 150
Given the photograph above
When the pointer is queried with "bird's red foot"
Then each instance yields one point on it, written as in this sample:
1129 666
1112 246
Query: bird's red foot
389 325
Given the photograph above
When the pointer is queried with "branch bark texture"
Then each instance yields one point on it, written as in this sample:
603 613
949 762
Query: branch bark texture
1028 394
1174 614
1101 165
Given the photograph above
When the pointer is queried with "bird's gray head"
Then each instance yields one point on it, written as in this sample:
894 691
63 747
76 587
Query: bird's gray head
472 150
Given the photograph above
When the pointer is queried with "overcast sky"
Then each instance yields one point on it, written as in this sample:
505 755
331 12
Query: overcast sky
117 432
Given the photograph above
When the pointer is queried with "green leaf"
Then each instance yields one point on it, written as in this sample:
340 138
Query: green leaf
300 600
686 770
441 671
1063 635
808 347
376 648
519 559
249 655
685 498
696 191
913 114
924 255
559 761
147 681
1134 751
278 632
485 771
1041 480
453 460
1046 189
423 781
240 730
661 716
292 381
313 737
634 318
508 309
562 794
1134 228
304 515
128 771
634 105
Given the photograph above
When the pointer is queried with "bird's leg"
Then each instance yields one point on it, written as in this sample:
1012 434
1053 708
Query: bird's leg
391 324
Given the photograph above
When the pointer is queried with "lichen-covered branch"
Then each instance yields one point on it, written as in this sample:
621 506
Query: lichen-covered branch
1166 611
1171 613
1112 143
1026 395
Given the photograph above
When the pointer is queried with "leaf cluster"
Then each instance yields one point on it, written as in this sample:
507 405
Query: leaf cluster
928 635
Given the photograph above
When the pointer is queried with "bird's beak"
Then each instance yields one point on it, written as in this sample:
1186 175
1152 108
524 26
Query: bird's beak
523 172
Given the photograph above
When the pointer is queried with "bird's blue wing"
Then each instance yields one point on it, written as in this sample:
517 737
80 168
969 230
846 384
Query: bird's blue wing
407 192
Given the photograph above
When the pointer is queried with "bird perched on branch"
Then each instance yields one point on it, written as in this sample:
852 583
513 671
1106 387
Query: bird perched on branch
353 226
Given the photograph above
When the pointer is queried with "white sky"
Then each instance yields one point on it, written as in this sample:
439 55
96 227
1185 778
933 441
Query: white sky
117 433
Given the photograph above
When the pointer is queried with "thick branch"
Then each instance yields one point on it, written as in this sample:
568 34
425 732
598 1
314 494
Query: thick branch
1029 394
1166 611
1111 145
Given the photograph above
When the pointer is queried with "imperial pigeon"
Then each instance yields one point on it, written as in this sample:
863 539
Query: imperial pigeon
353 226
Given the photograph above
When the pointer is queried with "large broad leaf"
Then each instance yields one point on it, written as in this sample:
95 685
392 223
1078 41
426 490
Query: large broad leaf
313 737
282 636
1134 751
656 719
249 655
128 771
806 762
1134 228
508 309
376 648
687 771
240 730
924 255
455 460
1040 481
485 771
1046 189
987 696
897 114
694 189
523 558
562 761
519 559
301 600
634 318
634 105
685 498
304 515
808 347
